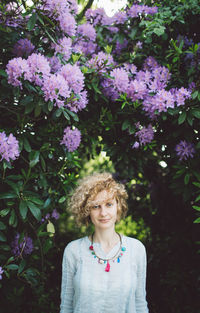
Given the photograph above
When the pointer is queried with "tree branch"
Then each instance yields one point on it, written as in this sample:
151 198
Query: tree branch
88 5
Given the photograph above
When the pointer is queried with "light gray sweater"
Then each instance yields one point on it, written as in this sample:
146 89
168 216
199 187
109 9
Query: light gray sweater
87 288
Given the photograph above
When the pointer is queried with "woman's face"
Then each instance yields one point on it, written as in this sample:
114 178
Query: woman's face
104 210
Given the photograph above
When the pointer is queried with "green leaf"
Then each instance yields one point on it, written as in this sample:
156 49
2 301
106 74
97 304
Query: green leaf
74 115
5 247
62 199
50 229
14 186
8 195
43 164
22 265
2 237
29 107
37 110
190 120
36 200
182 118
159 31
34 158
133 33
195 94
50 106
196 113
197 220
12 219
66 115
59 112
34 210
2 226
47 245
23 209
3 73
27 146
196 207
186 179
197 198
4 212
197 184
32 21
12 267
26 100
125 125
47 202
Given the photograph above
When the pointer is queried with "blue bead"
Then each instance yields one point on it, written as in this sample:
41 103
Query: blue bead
118 260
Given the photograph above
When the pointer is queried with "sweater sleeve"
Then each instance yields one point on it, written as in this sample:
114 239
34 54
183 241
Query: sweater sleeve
140 295
68 271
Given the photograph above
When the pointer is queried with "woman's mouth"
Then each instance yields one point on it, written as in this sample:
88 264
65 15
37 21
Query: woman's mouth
104 220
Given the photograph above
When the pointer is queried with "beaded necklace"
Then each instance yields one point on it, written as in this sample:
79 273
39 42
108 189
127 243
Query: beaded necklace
117 255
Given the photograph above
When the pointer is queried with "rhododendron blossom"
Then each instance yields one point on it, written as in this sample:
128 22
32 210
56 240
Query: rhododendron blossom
71 139
9 147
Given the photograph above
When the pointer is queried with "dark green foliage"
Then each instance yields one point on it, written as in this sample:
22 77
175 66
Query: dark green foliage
164 192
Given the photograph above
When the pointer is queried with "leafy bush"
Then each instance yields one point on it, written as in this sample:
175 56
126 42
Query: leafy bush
71 88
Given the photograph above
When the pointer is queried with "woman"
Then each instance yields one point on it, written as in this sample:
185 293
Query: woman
105 272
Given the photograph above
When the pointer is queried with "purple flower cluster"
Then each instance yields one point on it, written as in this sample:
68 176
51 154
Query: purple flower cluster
95 17
34 69
63 11
55 64
56 89
99 17
23 48
101 62
86 31
54 215
1 272
147 85
120 46
145 135
137 10
73 75
71 139
9 147
39 68
85 39
17 69
121 79
64 87
11 15
185 150
22 247
64 47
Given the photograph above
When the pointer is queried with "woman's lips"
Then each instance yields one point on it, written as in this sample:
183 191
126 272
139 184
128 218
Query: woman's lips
104 220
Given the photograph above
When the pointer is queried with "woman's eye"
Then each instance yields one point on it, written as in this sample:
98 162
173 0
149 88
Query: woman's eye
109 204
95 207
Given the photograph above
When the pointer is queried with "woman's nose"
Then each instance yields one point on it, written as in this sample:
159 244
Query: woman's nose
103 211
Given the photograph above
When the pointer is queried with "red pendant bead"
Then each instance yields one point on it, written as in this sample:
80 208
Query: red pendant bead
107 269
91 247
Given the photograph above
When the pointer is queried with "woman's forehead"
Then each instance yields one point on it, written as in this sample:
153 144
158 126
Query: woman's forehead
104 195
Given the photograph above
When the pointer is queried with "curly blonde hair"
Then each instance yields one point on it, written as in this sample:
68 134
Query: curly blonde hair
86 191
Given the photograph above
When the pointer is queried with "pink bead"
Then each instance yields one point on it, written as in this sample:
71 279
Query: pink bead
107 269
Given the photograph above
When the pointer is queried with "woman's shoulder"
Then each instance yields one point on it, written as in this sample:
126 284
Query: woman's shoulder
75 244
134 243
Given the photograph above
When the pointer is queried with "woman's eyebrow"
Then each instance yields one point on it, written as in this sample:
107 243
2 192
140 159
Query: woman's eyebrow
99 202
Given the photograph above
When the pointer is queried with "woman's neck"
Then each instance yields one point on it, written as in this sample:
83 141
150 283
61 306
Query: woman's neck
108 238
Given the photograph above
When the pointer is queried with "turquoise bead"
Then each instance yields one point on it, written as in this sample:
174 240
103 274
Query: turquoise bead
123 249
